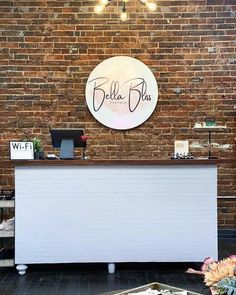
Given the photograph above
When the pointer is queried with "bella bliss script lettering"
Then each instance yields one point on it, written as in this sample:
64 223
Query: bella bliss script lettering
137 89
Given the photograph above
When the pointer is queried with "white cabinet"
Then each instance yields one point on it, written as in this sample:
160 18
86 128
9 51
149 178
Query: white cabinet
124 213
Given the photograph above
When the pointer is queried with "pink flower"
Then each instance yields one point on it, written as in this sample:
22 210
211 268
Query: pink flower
83 137
214 271
206 263
233 258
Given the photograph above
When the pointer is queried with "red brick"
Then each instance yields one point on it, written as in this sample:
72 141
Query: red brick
48 51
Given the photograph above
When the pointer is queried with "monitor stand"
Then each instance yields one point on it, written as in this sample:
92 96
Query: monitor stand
67 149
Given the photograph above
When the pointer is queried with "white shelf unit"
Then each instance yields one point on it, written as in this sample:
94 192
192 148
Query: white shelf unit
5 260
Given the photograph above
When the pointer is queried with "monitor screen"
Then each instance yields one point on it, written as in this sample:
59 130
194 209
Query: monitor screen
67 140
61 134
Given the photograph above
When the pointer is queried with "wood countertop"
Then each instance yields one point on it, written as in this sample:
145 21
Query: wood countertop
111 162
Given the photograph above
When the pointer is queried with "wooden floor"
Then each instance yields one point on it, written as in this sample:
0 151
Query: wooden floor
93 279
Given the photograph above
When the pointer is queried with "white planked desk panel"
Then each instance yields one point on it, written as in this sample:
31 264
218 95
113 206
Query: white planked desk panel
111 214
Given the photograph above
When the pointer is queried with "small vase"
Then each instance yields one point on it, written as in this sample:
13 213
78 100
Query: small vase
84 157
213 290
39 155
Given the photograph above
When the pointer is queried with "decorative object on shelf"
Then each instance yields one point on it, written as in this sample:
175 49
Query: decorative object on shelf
181 150
8 224
21 150
181 147
210 121
203 128
220 276
27 149
7 195
198 125
84 141
177 156
98 9
38 148
52 157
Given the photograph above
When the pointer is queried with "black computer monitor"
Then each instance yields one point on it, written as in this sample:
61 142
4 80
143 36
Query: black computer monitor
67 140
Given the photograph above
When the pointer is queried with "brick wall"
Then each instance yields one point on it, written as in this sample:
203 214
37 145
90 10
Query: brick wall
48 49
226 213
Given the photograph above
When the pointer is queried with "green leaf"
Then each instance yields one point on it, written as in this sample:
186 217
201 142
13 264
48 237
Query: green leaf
227 285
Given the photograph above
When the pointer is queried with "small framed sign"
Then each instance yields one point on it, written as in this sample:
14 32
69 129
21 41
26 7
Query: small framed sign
21 150
181 147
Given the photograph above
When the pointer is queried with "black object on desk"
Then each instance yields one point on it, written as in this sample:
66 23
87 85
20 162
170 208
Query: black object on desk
67 140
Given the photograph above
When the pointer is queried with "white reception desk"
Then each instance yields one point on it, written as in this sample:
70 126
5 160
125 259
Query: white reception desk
115 211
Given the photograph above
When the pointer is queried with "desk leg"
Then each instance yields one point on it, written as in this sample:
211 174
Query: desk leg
111 267
21 269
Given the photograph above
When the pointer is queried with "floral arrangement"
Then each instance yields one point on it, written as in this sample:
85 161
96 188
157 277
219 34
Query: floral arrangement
84 139
220 276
